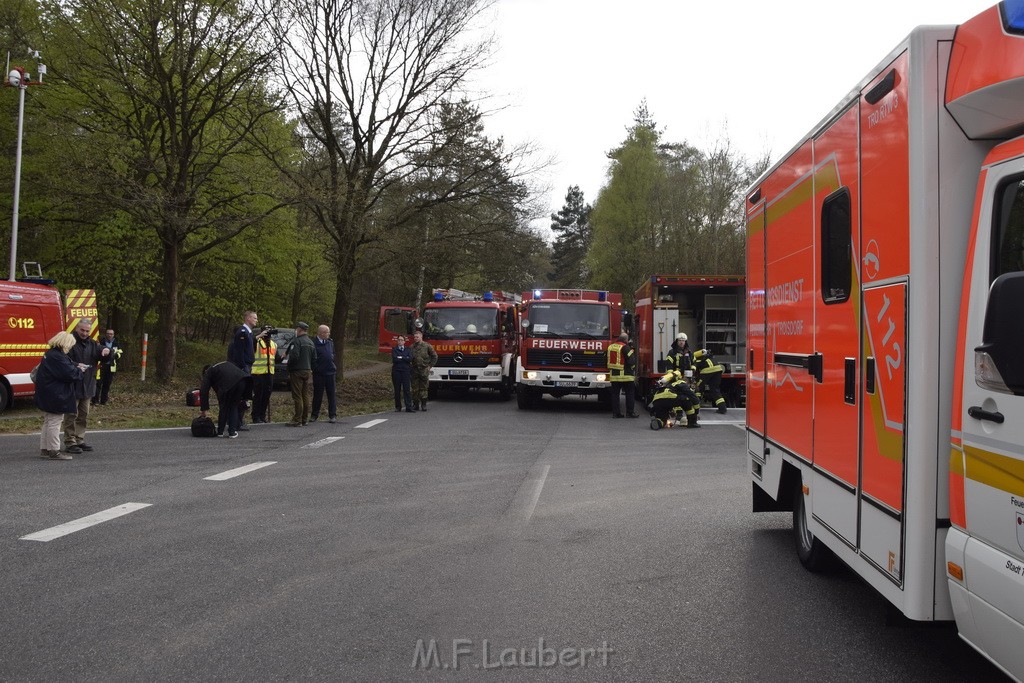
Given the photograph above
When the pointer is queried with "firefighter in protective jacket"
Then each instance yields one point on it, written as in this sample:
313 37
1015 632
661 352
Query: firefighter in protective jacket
679 357
672 392
622 364
709 378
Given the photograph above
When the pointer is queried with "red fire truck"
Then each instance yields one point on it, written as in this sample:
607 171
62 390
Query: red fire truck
474 336
710 310
564 337
30 314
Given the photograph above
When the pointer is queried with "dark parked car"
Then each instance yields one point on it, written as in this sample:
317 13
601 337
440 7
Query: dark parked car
282 339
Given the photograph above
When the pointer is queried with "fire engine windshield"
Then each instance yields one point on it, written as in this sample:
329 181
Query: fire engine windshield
568 320
460 323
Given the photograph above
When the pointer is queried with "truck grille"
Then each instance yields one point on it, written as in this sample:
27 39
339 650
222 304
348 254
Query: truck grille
448 361
576 358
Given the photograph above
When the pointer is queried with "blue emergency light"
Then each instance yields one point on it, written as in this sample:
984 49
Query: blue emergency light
488 296
536 294
1013 15
438 296
602 296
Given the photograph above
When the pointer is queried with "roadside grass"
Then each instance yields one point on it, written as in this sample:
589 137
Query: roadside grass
135 404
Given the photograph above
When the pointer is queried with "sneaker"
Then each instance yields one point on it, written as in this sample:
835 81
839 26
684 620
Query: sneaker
408 410
57 455
73 449
634 414
44 454
232 435
220 433
332 420
314 419
85 447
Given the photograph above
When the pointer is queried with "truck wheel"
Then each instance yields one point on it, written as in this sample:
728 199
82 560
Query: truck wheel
505 391
432 392
523 398
5 397
813 554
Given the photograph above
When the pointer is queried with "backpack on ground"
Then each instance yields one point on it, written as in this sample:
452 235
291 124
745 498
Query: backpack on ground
203 426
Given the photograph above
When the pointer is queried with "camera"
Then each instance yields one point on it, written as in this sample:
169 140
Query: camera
269 329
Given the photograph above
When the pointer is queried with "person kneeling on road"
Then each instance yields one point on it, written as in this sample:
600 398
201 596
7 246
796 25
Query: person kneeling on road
673 393
230 383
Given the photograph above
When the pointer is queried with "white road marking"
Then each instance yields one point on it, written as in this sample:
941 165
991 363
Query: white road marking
535 496
239 471
323 442
84 523
371 423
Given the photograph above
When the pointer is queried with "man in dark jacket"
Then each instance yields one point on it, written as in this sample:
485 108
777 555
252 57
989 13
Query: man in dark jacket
401 374
301 359
87 352
229 382
325 373
108 368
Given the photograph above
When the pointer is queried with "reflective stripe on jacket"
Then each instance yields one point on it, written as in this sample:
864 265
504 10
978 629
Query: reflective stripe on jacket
621 361
264 362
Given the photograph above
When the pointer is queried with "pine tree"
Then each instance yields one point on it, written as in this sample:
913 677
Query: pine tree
572 226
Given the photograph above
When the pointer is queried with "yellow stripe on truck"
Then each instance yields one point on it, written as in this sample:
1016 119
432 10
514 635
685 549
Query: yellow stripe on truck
998 471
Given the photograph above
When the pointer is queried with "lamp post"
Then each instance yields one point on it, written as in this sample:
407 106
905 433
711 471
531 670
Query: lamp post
17 78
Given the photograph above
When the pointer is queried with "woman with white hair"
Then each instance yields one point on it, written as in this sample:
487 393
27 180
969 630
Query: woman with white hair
55 392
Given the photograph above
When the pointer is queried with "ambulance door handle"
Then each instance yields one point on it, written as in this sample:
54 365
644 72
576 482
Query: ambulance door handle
869 375
849 380
750 365
979 414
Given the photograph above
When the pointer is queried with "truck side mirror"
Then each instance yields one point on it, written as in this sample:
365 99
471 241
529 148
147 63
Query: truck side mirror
1002 335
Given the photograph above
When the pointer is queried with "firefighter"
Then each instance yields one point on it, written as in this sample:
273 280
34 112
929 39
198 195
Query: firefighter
263 378
622 364
673 393
709 378
679 357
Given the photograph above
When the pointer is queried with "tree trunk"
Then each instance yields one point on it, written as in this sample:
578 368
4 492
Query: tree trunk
342 304
167 320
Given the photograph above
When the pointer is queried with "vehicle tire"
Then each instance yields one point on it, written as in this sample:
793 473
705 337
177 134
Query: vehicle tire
5 397
813 554
523 398
432 392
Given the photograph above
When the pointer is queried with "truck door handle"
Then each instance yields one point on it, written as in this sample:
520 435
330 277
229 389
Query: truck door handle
978 414
849 380
813 363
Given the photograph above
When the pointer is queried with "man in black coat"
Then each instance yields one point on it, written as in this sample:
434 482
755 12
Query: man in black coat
230 383
87 352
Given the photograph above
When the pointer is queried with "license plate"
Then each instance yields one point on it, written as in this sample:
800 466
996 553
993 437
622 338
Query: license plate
567 384
458 373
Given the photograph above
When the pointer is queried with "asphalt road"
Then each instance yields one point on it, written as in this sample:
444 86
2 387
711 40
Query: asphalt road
513 545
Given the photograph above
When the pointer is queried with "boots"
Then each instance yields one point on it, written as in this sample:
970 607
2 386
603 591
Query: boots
722 409
691 421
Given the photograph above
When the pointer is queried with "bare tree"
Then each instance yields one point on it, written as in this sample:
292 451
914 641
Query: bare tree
372 82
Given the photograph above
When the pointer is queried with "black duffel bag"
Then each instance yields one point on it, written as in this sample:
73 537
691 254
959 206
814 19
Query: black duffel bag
203 426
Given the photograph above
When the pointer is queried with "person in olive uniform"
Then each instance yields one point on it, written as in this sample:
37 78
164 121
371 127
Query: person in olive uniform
424 357
301 359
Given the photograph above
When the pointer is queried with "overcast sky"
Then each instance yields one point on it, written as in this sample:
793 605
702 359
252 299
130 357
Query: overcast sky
572 72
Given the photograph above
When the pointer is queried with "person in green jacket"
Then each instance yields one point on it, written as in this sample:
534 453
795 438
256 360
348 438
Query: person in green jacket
301 357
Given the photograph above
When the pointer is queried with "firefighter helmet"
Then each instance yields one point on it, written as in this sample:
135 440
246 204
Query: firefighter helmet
449 328
681 337
471 328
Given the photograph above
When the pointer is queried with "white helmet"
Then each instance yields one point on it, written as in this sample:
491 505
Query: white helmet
471 328
449 328
681 337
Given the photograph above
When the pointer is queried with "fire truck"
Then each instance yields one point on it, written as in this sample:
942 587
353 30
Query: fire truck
885 314
30 314
474 336
564 337
710 310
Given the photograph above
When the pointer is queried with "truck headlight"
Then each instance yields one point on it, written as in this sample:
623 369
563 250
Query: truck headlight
529 374
601 378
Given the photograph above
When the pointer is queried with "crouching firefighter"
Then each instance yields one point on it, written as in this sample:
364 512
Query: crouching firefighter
673 393
708 374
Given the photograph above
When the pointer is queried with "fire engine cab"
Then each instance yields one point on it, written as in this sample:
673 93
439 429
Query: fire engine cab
30 314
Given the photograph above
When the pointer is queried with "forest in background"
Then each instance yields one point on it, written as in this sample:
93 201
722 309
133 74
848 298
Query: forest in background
314 160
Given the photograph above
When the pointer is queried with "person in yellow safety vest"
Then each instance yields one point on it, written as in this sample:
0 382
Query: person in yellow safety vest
709 378
263 378
672 392
622 364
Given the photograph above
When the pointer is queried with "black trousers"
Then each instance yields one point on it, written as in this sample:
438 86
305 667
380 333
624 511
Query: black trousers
325 384
227 410
630 389
711 388
103 385
402 382
262 387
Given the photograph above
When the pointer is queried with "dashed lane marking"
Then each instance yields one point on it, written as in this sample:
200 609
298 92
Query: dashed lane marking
238 471
371 423
84 523
323 442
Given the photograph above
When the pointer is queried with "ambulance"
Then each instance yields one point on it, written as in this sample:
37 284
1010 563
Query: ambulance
885 314
30 314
